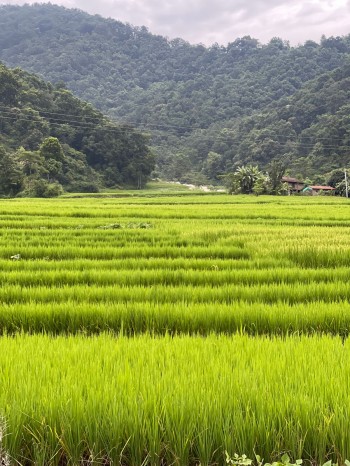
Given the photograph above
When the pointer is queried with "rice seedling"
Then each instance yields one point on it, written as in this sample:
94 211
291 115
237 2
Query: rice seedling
182 399
217 262
158 274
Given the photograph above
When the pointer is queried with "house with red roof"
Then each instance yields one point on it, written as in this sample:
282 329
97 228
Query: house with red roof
325 189
316 190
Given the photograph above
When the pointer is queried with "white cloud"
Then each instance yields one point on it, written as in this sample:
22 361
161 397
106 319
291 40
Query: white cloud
222 21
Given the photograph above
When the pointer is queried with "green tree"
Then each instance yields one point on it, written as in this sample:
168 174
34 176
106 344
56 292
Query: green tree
52 153
11 176
275 171
337 181
31 161
260 186
54 169
243 179
213 165
9 87
42 188
51 149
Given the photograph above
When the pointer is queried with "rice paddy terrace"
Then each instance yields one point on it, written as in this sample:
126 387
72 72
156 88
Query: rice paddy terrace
165 330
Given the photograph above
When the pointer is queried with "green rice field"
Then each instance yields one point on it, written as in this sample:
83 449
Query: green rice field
167 329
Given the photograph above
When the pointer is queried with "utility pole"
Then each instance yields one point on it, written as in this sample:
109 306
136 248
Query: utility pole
346 183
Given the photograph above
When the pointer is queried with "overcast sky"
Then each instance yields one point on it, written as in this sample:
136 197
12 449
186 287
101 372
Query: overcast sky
222 21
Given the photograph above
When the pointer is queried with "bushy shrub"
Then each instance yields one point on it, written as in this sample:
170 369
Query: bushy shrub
42 188
83 187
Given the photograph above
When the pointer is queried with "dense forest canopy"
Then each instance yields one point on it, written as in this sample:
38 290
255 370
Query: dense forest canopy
50 139
209 109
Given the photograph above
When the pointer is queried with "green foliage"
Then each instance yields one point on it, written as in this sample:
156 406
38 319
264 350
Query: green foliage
246 180
51 149
9 87
41 188
83 187
243 460
238 460
11 177
285 461
336 179
246 102
309 129
213 166
275 171
52 135
31 162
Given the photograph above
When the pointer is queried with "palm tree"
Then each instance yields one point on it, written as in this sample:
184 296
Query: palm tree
244 179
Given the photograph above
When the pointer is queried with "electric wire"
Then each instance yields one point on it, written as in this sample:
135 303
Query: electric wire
107 121
120 128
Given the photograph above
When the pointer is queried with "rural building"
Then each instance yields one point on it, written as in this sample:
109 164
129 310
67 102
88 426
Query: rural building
326 189
294 185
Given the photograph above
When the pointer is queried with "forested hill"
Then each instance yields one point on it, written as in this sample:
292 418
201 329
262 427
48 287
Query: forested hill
309 130
199 103
50 139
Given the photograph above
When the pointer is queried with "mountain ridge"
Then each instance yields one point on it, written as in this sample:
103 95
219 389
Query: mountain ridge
186 94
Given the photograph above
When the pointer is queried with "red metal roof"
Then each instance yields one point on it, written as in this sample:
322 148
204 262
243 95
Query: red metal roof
324 188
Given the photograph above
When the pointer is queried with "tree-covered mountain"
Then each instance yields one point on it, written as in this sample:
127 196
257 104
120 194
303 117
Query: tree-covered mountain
47 135
209 109
309 131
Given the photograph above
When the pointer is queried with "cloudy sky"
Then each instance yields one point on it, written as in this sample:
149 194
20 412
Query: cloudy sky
222 21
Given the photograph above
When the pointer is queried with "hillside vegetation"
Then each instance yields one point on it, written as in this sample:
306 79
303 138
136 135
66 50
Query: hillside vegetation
209 109
50 139
309 130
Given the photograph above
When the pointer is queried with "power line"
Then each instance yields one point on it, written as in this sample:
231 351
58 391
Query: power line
16 109
125 128
103 117
130 122
79 126
217 138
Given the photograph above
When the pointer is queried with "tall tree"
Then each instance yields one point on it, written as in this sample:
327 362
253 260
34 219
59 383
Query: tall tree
9 87
276 170
11 176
